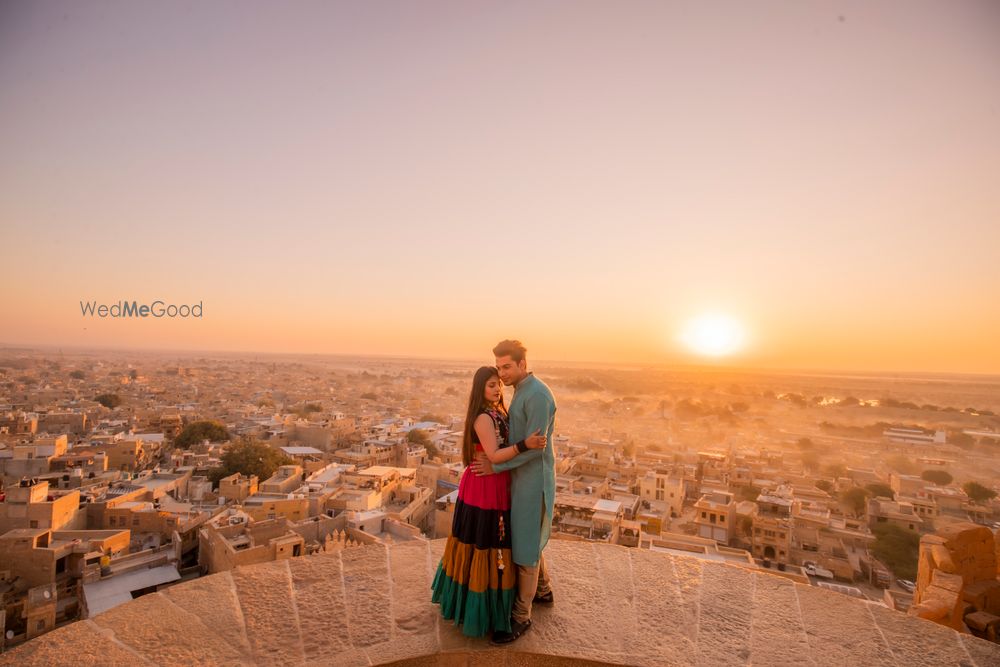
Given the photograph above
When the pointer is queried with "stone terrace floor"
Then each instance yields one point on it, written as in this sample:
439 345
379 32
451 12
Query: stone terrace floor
370 605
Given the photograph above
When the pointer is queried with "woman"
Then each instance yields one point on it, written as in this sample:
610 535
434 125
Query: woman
476 579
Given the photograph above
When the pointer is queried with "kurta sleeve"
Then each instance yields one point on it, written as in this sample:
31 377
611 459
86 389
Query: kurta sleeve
540 411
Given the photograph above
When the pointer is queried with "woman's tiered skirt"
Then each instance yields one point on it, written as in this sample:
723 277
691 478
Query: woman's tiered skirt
475 580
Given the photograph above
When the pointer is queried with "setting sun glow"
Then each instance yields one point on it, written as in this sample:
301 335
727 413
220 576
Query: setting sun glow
713 335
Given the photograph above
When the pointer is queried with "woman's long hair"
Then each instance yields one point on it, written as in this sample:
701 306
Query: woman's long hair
477 402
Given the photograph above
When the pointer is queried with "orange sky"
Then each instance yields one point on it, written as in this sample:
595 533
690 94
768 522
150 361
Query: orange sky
426 180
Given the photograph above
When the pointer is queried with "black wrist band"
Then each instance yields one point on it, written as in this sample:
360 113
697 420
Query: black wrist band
521 447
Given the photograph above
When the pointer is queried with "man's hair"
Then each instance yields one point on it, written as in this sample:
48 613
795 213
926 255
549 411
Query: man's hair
515 349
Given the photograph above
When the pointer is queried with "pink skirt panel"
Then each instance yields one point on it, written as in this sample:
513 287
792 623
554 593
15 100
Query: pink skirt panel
489 492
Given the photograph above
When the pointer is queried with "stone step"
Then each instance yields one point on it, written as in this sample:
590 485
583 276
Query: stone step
321 603
777 635
82 643
152 624
841 630
270 614
213 599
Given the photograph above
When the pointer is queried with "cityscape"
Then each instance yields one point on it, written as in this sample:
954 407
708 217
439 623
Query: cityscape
129 473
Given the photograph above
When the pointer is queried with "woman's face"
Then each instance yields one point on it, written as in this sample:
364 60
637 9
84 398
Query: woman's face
494 390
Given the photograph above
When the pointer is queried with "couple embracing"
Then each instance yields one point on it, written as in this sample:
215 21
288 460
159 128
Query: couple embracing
492 571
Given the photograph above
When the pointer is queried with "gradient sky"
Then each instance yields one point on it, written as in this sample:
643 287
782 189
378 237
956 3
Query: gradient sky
423 179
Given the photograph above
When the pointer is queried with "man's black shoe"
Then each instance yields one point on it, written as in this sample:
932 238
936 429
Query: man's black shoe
517 628
546 600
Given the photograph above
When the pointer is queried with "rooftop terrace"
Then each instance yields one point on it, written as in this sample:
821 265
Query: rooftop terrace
370 606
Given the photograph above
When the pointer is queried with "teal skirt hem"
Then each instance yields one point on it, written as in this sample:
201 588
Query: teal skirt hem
477 612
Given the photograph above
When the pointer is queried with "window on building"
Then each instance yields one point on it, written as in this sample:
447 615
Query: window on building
704 515
722 518
33 524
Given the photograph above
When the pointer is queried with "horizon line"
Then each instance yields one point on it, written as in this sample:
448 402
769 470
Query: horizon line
688 367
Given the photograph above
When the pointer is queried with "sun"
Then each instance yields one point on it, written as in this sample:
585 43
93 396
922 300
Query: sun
713 335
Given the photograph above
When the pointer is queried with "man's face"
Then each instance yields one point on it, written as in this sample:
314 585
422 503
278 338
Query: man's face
511 372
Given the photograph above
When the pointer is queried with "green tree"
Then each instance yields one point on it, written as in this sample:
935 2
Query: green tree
749 493
197 431
855 499
978 492
881 490
960 439
304 411
418 437
805 444
902 464
628 450
939 477
810 460
797 399
78 375
745 525
836 470
369 396
110 401
250 457
898 548
437 419
824 485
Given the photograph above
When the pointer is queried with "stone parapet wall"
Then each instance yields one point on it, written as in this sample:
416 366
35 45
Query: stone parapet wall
371 605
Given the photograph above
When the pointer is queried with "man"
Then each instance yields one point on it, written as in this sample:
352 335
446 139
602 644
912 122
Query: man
533 483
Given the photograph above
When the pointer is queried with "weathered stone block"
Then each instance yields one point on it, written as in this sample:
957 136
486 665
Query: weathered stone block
272 621
984 595
152 624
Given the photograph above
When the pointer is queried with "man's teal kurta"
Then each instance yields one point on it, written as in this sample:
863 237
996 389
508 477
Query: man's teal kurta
533 473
